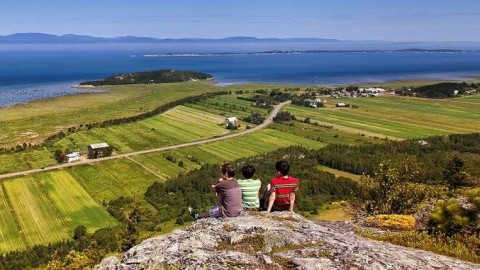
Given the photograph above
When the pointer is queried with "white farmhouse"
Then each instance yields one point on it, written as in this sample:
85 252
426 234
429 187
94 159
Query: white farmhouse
72 157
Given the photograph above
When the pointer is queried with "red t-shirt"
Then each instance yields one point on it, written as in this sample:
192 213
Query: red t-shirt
283 187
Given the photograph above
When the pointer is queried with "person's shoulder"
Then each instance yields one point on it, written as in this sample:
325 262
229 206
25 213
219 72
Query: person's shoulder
275 179
291 178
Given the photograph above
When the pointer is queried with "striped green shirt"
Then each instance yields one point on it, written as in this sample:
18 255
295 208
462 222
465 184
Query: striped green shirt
250 190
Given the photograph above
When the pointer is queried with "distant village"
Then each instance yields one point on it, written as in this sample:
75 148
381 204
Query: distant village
361 92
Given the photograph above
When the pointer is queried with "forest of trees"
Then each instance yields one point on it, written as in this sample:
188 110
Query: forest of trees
158 76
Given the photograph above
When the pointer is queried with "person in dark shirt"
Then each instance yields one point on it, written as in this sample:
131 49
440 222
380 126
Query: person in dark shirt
229 196
282 191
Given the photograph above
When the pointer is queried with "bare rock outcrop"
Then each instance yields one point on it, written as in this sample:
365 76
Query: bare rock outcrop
273 241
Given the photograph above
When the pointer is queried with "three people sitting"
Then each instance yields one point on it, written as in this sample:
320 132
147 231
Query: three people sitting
233 195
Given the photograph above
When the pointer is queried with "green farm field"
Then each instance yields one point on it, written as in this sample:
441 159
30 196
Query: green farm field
74 204
40 222
398 117
10 238
47 207
322 134
181 124
111 179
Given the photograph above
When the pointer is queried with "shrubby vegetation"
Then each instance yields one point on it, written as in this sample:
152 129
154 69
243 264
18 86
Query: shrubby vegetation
255 118
283 117
158 76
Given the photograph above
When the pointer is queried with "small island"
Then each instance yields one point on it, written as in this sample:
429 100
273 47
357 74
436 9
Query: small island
149 77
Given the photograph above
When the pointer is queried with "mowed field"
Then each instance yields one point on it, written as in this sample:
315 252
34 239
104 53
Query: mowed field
181 124
10 238
398 117
111 179
46 208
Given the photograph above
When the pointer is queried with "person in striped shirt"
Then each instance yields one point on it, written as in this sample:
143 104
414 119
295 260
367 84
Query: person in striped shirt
249 187
282 189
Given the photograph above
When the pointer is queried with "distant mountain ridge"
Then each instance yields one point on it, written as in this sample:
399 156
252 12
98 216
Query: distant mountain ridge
41 38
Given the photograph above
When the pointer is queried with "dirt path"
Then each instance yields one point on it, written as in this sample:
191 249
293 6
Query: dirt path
267 121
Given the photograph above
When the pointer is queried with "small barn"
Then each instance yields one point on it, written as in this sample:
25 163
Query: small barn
72 157
99 150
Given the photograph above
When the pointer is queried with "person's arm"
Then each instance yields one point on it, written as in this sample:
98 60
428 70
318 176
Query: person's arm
271 200
292 202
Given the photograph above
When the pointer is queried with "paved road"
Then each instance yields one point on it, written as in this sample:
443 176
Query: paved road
267 121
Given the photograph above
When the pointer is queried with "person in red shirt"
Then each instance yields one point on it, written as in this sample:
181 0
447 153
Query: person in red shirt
282 189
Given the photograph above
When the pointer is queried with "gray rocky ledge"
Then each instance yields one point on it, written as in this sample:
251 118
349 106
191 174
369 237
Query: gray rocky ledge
273 241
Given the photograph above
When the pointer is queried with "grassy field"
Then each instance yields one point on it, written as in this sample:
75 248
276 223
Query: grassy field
10 238
109 180
26 160
73 202
40 222
181 124
398 117
322 134
334 212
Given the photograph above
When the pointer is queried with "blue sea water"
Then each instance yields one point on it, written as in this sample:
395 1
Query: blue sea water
37 72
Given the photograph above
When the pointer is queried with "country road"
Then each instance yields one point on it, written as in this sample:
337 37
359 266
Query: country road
267 121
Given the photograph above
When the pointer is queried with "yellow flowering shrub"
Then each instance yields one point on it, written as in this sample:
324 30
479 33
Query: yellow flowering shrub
391 222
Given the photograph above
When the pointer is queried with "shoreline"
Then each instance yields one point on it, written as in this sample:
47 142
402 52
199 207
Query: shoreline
90 89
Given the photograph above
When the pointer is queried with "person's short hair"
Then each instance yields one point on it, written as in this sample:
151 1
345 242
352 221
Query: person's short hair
229 169
248 170
283 167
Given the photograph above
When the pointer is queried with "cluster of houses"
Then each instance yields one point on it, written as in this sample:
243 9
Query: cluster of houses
471 92
361 92
313 103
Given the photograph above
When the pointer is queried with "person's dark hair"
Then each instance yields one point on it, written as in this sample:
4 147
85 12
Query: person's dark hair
283 167
248 170
229 169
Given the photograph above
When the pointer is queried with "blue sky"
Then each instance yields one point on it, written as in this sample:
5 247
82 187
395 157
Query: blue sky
407 20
